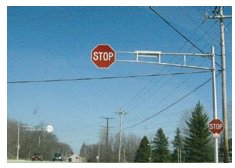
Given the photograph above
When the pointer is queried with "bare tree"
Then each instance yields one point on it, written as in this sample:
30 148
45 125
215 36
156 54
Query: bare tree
32 141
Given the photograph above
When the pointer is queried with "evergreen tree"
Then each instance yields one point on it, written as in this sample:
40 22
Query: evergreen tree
197 142
178 146
143 152
161 152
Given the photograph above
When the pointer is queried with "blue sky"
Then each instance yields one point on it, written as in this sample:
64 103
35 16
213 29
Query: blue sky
56 43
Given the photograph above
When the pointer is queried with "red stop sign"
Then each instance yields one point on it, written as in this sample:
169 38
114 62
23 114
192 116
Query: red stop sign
103 56
216 126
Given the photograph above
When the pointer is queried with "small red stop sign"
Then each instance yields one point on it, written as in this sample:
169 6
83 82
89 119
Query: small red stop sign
103 56
216 126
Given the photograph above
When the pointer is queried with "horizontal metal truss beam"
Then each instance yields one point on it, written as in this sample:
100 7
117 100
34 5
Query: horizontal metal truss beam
166 64
158 55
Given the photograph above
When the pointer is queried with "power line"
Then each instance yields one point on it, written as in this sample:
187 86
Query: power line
175 29
167 92
102 78
169 106
147 90
180 33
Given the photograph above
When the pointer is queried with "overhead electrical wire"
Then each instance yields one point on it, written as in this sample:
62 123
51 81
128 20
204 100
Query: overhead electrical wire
204 33
170 105
175 29
167 92
205 46
103 78
180 33
185 13
151 84
147 90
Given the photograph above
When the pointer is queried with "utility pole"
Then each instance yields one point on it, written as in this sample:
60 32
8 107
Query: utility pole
121 113
218 14
18 142
39 140
98 155
18 139
107 136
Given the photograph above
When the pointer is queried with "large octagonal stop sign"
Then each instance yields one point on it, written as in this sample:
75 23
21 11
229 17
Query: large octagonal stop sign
103 56
216 126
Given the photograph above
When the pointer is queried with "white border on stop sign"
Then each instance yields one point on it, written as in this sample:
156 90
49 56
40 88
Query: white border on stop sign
114 56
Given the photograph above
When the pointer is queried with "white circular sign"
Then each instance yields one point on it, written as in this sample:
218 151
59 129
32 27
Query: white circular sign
49 128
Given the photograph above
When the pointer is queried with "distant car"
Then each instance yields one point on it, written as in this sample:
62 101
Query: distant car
37 156
57 157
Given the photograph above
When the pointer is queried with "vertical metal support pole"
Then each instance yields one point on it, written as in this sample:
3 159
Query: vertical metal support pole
159 58
18 142
213 69
224 89
214 93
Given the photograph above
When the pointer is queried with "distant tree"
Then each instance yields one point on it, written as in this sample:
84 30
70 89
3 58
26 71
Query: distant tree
11 138
84 151
178 147
89 152
197 142
130 145
161 152
32 141
143 152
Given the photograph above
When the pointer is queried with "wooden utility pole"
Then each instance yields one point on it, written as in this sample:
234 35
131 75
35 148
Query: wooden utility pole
107 138
219 14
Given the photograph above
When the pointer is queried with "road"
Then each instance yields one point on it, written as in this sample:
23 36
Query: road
30 161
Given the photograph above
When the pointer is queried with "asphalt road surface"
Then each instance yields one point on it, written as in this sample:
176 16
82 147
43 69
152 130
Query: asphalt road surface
30 161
